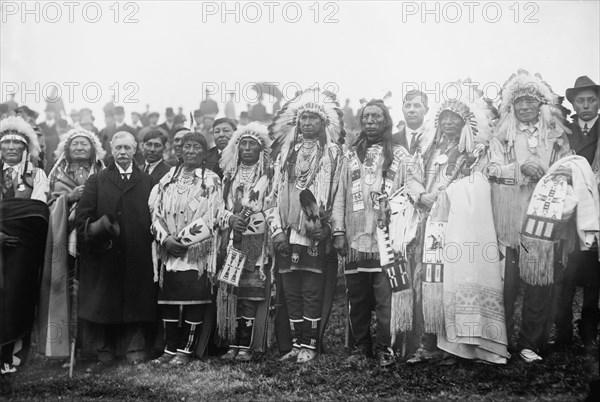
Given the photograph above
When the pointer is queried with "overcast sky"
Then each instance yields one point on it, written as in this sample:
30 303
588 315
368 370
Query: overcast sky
164 53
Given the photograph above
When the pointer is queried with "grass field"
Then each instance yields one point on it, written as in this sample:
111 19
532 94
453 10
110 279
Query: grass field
561 376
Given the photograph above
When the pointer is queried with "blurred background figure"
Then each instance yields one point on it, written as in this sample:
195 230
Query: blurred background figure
136 122
208 106
75 116
230 107
48 127
349 118
169 123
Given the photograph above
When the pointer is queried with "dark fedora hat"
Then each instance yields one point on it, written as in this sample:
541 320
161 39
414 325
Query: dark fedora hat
104 229
581 83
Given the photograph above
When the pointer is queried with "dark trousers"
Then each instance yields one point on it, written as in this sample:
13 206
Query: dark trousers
182 324
539 306
7 352
362 289
112 341
247 308
303 294
579 261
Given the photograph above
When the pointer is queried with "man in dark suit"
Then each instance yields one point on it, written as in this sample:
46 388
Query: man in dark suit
153 146
50 133
169 124
106 134
118 293
414 108
583 267
208 106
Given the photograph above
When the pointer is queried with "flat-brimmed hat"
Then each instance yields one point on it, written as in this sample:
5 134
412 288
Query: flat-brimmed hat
581 83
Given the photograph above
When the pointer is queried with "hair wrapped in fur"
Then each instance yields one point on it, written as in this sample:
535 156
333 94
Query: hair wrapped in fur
62 150
17 125
523 84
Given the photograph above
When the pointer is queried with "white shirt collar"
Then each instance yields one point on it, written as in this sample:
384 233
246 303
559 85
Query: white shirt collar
410 131
119 124
50 123
589 123
6 167
151 166
128 171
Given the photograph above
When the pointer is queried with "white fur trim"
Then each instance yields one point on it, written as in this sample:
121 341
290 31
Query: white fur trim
61 149
17 124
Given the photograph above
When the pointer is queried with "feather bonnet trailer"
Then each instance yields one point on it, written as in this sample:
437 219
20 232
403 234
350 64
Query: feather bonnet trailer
284 129
19 129
524 84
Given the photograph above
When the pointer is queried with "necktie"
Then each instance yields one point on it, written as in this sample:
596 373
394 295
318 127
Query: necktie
585 129
413 141
124 176
147 168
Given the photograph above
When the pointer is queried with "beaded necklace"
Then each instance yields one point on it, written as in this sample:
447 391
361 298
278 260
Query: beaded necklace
307 163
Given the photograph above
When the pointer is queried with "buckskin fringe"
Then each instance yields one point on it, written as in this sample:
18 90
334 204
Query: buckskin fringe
226 312
507 211
536 261
402 312
433 307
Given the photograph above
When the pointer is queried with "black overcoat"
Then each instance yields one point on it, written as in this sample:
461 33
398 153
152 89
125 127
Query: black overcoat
116 284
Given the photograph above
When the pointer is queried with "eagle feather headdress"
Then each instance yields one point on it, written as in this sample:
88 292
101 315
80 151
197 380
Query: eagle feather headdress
473 108
284 128
524 84
17 126
230 156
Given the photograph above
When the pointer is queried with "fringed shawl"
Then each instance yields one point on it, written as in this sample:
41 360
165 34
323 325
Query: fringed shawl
174 209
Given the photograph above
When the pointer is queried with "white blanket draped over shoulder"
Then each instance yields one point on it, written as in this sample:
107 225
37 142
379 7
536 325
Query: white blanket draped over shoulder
473 288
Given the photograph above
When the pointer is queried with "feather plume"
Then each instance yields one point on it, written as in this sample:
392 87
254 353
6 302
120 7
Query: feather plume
310 208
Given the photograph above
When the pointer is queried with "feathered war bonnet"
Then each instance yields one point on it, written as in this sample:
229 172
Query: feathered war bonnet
523 84
284 130
474 110
15 128
231 154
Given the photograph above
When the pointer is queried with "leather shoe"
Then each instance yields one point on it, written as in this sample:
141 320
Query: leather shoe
244 355
423 355
230 355
529 356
